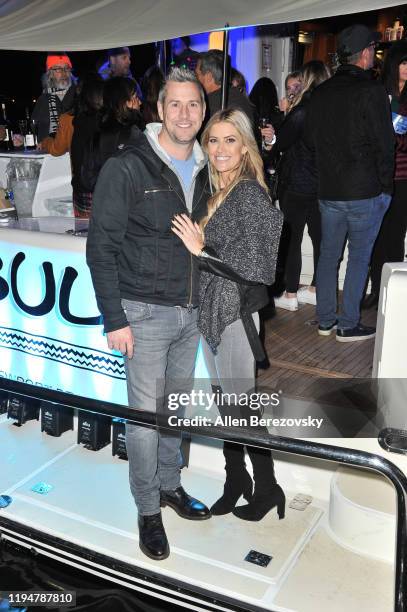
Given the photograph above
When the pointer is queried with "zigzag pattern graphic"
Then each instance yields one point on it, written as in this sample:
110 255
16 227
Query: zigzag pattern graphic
82 357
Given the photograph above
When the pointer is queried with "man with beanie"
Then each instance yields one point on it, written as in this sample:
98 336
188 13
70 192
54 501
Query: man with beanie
349 126
57 97
117 64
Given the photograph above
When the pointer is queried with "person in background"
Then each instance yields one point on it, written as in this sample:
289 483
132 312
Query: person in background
390 243
349 125
238 80
182 54
121 112
298 182
57 97
237 243
293 86
117 63
146 286
85 124
264 97
151 84
115 122
209 70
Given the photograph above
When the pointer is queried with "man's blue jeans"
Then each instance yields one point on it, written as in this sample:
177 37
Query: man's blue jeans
360 221
165 346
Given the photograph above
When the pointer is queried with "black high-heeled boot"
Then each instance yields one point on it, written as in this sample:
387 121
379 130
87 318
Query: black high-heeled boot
267 493
238 480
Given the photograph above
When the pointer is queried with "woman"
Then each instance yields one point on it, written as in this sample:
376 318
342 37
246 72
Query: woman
85 125
298 190
151 84
390 243
292 85
121 112
265 99
238 239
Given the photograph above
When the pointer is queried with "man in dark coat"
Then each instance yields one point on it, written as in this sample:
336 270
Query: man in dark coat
146 285
349 126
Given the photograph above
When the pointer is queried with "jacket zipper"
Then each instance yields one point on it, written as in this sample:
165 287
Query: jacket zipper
189 305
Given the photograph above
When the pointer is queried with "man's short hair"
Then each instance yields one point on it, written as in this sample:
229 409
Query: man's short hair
212 61
349 59
180 75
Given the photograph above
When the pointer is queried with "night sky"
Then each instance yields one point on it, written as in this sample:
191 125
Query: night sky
21 73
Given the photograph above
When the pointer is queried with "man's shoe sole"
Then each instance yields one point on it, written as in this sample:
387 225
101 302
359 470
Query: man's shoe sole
185 516
155 557
326 332
354 338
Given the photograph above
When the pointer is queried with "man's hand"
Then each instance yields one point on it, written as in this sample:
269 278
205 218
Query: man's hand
121 340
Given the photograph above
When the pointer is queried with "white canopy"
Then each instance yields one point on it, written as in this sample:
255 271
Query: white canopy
79 25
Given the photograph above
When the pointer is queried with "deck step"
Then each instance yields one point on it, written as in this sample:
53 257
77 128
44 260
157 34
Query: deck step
362 513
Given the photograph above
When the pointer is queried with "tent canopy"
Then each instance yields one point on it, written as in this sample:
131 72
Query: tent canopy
80 25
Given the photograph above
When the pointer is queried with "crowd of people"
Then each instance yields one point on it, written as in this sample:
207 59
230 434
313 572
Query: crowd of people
184 233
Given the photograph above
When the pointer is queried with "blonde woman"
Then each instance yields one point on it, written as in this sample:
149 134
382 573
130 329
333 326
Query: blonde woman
237 243
298 190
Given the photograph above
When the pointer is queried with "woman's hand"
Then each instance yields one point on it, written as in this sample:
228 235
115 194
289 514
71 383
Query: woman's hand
189 232
267 133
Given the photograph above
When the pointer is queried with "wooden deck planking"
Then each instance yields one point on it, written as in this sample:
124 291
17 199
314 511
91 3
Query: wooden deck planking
298 356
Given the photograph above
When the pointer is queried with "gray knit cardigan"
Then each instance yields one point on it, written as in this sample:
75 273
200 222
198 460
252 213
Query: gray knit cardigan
245 233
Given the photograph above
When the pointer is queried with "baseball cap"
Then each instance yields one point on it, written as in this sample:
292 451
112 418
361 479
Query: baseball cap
54 59
355 38
118 51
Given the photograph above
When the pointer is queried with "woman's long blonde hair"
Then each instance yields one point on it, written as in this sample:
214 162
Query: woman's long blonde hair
251 166
313 73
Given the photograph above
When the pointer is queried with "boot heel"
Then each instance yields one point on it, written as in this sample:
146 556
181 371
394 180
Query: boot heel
281 510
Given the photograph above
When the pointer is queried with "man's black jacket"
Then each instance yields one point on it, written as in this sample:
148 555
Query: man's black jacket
349 124
131 250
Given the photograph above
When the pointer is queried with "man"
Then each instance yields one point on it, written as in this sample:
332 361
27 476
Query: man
117 64
146 286
209 70
182 54
57 97
349 124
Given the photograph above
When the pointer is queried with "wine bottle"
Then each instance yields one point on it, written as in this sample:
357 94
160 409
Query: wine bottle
29 137
7 142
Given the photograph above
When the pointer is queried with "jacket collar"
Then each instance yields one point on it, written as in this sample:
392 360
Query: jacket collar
354 71
152 131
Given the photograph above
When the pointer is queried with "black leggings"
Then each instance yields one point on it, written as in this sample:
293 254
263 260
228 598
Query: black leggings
389 245
299 211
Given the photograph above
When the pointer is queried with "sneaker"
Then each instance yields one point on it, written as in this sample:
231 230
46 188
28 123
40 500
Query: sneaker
360 332
326 330
286 303
306 296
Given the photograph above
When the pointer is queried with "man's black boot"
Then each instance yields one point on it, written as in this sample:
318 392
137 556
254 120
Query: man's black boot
184 505
152 539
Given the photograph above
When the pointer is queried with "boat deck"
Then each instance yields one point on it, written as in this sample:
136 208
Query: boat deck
90 506
298 356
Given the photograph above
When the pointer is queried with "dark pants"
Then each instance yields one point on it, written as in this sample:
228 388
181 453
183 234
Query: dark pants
299 210
390 245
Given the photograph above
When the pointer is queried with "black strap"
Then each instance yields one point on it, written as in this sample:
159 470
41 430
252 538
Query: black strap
250 329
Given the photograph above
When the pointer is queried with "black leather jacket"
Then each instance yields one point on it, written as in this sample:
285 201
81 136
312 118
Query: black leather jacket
131 250
349 125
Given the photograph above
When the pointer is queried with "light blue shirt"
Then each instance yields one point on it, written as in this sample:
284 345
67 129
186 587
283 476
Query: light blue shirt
185 168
